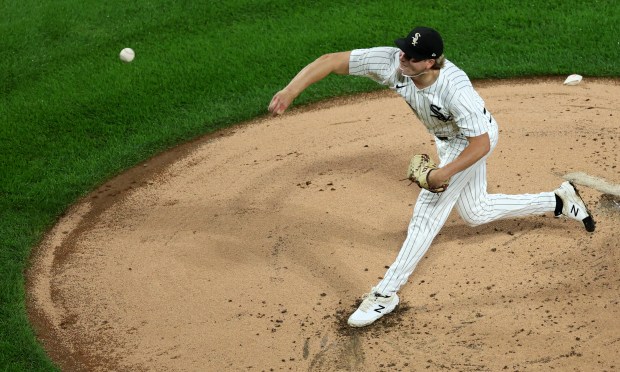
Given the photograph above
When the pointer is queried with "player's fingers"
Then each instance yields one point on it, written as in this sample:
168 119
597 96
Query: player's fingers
276 109
273 103
279 106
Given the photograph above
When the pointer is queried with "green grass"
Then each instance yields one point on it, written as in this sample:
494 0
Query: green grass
72 115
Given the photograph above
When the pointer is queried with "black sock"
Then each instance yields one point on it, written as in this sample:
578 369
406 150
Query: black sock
559 205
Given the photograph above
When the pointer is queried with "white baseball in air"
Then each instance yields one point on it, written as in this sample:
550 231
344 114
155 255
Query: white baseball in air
127 55
573 79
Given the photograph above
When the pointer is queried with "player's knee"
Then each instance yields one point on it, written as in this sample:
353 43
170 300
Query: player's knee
472 219
471 214
473 223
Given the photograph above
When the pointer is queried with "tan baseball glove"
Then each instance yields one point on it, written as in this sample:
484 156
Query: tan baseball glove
420 167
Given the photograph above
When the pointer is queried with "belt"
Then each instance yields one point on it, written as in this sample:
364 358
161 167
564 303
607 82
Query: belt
442 138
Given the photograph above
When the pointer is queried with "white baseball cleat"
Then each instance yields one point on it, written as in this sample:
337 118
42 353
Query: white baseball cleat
573 206
373 307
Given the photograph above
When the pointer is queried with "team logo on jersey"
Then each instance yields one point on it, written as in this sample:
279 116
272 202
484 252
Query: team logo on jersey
438 114
414 39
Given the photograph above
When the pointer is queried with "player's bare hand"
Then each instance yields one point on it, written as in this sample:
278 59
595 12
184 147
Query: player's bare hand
280 102
436 179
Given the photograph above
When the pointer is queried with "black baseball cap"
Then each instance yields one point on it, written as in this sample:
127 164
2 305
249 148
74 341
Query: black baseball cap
421 43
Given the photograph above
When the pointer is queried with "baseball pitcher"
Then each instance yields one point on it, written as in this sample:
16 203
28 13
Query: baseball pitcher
444 100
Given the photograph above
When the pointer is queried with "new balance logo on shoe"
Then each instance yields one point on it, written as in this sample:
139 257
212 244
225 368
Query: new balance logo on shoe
573 206
373 307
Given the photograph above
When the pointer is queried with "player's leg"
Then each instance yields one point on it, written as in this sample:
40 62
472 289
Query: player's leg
477 207
429 215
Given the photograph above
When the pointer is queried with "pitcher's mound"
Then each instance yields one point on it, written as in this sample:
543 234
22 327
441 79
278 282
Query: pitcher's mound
248 250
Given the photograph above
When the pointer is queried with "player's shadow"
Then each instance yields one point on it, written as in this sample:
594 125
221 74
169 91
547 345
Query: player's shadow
513 227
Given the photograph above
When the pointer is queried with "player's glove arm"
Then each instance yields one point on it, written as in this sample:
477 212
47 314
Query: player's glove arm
478 147
425 173
420 168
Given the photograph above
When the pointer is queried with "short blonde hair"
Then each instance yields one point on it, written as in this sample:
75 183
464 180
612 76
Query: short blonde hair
439 62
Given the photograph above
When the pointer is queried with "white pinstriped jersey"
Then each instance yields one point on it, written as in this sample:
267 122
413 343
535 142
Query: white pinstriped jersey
450 107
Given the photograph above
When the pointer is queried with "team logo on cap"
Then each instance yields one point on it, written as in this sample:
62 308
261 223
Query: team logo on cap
414 39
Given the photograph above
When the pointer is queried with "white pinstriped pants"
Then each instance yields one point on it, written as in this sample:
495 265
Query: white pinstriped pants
467 191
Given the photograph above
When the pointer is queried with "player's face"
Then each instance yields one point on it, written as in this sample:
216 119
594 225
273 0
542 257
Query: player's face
410 66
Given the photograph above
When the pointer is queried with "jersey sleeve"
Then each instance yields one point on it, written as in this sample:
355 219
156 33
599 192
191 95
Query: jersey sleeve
380 64
470 114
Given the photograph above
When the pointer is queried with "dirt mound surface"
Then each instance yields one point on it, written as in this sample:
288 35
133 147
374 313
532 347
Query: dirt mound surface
248 249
